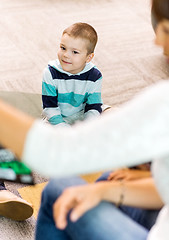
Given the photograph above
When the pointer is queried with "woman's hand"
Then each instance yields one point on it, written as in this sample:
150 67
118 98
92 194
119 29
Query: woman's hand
80 199
128 174
138 193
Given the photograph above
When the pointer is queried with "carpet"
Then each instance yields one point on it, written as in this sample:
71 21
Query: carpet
32 194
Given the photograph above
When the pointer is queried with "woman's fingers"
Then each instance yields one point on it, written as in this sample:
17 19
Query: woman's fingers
79 210
77 199
118 175
61 209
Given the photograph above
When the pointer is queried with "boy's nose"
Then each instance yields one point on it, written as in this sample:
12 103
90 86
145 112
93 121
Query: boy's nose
66 54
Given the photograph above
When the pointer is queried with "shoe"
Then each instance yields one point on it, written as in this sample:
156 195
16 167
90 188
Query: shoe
108 108
14 207
105 107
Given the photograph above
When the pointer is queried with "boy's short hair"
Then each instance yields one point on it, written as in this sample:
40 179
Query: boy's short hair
84 31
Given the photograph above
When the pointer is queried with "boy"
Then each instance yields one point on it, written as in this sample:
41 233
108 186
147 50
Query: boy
71 87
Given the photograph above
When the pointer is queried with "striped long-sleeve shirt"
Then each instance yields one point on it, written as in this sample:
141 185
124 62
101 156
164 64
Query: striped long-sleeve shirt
67 97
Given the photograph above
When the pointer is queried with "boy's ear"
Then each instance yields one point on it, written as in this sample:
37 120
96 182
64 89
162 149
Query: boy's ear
90 57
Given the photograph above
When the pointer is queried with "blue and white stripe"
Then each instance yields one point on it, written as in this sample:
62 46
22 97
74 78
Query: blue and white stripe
65 94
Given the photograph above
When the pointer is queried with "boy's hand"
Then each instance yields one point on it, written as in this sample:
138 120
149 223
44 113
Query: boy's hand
80 199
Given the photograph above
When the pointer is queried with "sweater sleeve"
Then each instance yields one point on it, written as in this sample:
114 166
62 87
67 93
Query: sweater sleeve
51 109
133 134
94 99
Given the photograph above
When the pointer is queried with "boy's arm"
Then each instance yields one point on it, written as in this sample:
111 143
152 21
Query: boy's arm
94 100
50 100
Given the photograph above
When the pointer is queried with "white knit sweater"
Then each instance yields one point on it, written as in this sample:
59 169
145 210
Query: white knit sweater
134 134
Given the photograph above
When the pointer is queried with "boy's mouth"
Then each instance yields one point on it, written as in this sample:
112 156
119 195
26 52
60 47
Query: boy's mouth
66 62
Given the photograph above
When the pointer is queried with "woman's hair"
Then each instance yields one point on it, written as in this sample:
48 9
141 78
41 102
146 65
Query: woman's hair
160 9
84 31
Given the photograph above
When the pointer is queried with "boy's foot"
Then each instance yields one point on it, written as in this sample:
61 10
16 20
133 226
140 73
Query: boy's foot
14 207
105 107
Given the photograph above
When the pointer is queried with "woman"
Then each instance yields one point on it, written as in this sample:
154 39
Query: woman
135 207
105 221
139 132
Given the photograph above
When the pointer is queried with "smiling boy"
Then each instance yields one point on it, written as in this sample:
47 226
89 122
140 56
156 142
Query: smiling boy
71 86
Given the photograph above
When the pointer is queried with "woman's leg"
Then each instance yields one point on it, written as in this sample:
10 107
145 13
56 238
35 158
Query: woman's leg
104 222
45 227
12 206
2 186
104 176
144 217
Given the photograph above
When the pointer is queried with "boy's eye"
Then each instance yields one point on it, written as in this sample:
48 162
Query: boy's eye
75 52
63 48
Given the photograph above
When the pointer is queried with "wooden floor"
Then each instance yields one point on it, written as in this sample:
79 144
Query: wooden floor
30 32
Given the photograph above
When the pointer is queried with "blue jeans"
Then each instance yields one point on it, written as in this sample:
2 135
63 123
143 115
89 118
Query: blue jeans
104 222
2 186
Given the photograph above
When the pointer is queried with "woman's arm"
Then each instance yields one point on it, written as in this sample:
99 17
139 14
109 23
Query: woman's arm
137 132
14 126
137 193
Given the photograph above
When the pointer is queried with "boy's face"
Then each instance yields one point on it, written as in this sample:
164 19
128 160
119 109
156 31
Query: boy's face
72 54
162 36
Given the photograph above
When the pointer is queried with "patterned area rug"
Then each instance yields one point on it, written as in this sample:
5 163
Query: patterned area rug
33 193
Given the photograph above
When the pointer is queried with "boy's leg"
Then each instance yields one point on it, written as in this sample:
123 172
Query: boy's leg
103 222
